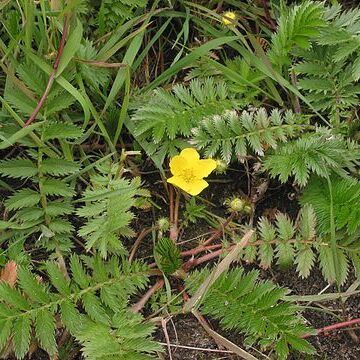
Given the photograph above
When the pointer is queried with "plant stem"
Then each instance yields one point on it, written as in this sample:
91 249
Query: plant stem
53 72
145 298
141 236
174 214
333 327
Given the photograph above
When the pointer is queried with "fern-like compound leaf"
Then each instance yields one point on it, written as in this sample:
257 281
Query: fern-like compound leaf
231 135
32 309
107 210
168 116
318 153
295 28
241 302
345 199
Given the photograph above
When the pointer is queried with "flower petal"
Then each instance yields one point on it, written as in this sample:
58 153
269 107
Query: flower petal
179 182
204 167
196 187
177 164
190 154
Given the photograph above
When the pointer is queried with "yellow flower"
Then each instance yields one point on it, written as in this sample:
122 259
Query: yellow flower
228 18
188 171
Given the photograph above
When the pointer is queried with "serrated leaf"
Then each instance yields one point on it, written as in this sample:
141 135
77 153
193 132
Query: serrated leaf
282 349
300 344
45 331
266 255
305 259
70 317
59 167
12 297
33 289
78 272
21 336
57 187
58 279
22 198
285 254
94 309
18 168
61 131
5 332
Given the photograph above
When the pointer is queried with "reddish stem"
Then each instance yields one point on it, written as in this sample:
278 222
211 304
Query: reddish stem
53 73
171 203
195 251
174 230
200 249
194 262
145 298
141 236
333 327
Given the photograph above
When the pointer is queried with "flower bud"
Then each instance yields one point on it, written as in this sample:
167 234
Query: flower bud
235 204
228 18
163 224
221 166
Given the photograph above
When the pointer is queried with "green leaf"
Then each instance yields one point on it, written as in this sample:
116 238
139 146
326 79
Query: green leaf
21 337
94 309
282 349
25 131
58 279
78 272
71 47
57 187
33 289
5 332
305 259
22 198
18 168
12 297
167 256
70 317
59 167
300 345
327 264
45 331
57 130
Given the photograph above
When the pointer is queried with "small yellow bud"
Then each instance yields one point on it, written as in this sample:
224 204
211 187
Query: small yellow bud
228 18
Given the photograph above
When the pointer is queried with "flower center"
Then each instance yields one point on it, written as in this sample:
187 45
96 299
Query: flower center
188 175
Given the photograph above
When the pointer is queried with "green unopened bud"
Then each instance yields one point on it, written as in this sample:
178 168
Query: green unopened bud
248 209
221 166
235 204
163 224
